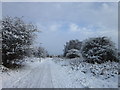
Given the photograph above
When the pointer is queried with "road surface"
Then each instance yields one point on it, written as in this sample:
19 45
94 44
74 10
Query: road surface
45 74
38 77
50 73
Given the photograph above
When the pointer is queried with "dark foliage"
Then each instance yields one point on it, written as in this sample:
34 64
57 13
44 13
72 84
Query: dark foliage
100 49
17 36
72 44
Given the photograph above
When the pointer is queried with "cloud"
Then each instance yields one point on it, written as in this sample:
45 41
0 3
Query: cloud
87 13
94 31
54 27
63 21
74 27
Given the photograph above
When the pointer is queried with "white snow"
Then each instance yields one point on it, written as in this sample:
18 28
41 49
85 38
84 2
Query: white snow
58 73
80 74
73 51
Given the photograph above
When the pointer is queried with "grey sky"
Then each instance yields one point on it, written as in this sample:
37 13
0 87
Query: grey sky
63 21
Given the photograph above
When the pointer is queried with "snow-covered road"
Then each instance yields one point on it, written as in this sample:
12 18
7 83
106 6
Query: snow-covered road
47 73
37 77
44 74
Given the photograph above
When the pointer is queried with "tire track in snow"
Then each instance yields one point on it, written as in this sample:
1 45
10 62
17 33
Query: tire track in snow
47 78
21 81
38 77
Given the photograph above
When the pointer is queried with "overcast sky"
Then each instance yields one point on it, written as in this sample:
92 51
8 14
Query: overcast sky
63 21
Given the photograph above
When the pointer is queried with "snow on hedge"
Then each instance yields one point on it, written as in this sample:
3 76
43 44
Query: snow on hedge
73 52
100 50
103 75
72 44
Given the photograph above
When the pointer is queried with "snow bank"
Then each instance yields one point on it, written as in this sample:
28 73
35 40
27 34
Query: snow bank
61 73
90 75
12 76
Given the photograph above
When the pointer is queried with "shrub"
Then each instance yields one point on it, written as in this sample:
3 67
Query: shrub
72 45
73 53
100 49
41 52
17 36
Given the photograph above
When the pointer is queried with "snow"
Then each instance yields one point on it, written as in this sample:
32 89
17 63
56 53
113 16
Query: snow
13 76
73 51
60 73
81 74
98 49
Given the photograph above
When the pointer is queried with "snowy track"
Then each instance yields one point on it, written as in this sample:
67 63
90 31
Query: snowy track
38 77
44 74
47 73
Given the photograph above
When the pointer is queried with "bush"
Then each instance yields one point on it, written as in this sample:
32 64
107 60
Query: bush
73 53
100 49
72 45
17 36
118 55
41 52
